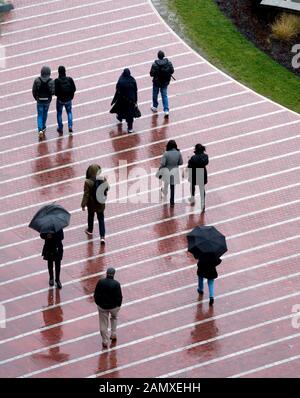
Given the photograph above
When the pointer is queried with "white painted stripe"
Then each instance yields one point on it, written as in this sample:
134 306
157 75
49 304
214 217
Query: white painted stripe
151 317
184 250
15 298
190 346
65 32
118 200
253 132
147 130
224 170
65 165
77 194
214 157
136 133
219 359
44 3
112 83
264 367
65 10
93 75
148 191
62 303
155 336
272 143
213 66
87 39
161 294
88 64
84 242
239 200
49 25
106 112
86 51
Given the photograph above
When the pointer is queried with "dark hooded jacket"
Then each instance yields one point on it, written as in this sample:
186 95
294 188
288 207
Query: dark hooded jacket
88 197
44 78
108 294
126 97
207 263
196 162
64 86
53 247
161 79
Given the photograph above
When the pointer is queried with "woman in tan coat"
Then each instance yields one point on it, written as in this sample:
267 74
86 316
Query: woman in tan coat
94 197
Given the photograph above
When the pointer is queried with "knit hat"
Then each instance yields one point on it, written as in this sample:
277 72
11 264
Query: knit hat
45 73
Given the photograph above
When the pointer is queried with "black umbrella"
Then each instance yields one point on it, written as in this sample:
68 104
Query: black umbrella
50 219
206 239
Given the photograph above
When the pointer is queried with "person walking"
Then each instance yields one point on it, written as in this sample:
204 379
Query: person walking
64 90
42 90
206 268
197 175
53 253
108 297
94 197
161 71
169 169
124 103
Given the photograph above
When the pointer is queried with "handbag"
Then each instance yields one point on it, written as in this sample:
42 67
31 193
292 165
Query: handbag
137 112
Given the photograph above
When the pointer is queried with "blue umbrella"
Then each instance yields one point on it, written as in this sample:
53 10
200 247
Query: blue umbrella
50 219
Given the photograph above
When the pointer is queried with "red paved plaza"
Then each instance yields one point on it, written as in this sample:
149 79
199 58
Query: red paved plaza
252 198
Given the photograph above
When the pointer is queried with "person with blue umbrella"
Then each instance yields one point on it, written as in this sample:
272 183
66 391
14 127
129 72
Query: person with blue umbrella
49 221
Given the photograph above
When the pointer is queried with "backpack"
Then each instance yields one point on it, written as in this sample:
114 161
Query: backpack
44 92
100 189
66 89
164 73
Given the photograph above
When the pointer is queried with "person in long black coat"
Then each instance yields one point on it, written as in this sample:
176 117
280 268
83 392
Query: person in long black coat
125 99
53 253
207 263
198 173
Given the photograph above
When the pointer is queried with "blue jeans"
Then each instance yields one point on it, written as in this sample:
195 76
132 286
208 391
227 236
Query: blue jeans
164 96
59 109
42 114
210 283
100 216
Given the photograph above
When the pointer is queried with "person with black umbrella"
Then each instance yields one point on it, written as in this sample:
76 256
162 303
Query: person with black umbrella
53 253
207 245
206 268
49 221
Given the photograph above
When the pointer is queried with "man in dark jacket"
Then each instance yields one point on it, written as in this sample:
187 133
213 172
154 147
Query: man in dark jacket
108 297
161 71
64 90
198 173
42 91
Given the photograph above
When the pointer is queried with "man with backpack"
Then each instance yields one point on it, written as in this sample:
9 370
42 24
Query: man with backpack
64 90
42 91
94 197
161 71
